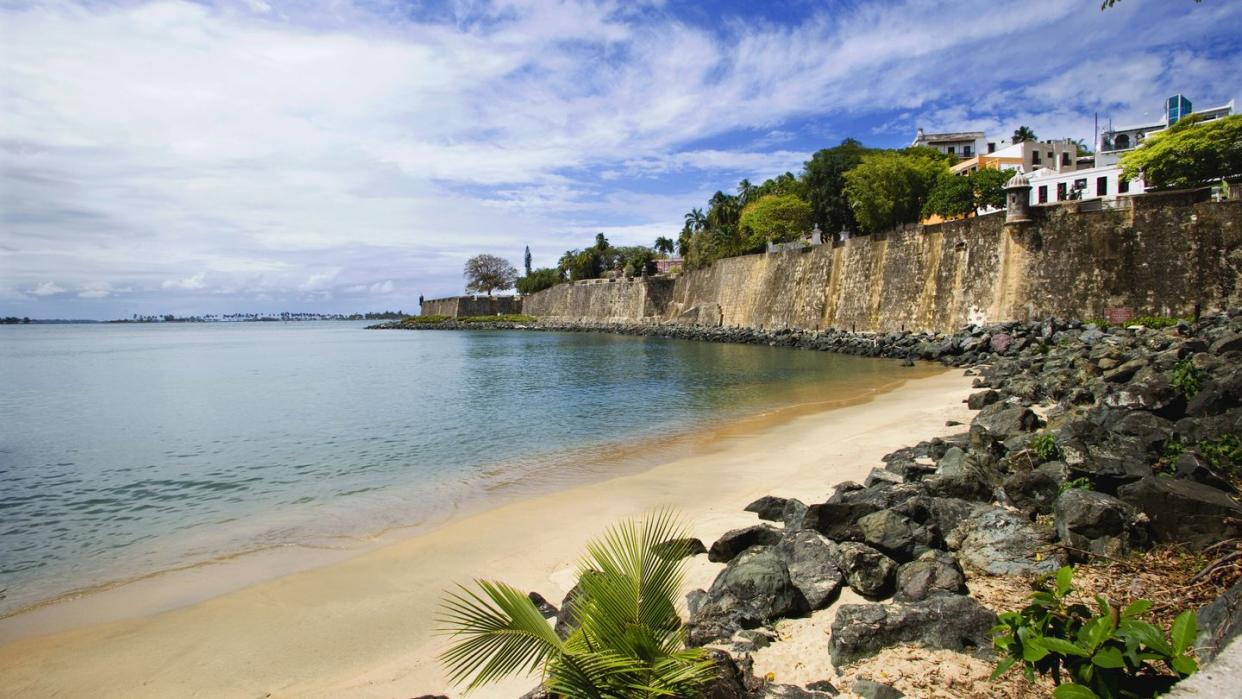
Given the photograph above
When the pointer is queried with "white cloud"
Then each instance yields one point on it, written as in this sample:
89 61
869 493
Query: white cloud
95 290
47 289
194 283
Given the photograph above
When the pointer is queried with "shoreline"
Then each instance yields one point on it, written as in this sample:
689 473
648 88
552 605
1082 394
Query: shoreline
152 592
361 626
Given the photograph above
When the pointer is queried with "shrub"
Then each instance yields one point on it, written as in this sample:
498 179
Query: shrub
1106 655
1045 446
1224 452
1083 483
1156 322
1187 378
539 279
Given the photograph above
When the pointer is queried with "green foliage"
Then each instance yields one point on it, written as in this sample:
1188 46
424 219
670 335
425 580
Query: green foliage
889 188
488 273
1023 133
989 187
540 279
665 245
423 320
824 176
953 196
499 318
1187 378
1224 452
581 264
779 218
1082 483
628 640
1109 654
1188 154
1156 322
1045 447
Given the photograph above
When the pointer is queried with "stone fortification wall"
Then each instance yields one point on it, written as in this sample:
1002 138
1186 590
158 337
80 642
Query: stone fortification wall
602 300
1162 255
467 306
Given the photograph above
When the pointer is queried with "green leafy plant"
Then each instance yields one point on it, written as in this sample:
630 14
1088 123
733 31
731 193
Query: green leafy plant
628 639
1224 452
1107 653
1187 378
1082 483
1155 322
1045 446
1172 449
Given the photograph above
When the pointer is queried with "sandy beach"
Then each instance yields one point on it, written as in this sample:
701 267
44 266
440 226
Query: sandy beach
364 626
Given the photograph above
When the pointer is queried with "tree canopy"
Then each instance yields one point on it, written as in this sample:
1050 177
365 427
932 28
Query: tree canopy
824 175
955 196
488 273
779 218
1023 133
1190 153
890 188
540 279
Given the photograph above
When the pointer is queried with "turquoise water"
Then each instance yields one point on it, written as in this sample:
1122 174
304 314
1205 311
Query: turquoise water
129 449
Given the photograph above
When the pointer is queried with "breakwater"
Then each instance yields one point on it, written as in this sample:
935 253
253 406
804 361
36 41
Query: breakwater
1162 254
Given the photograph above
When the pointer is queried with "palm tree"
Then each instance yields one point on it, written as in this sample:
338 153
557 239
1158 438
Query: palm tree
744 191
665 245
628 642
1023 133
696 219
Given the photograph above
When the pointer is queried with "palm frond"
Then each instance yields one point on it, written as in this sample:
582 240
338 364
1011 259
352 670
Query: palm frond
499 636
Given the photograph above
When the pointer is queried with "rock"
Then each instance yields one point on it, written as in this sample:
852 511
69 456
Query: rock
789 691
1032 491
883 475
794 514
952 462
1094 522
933 573
1003 542
750 640
728 680
1231 342
811 559
1125 372
1092 335
1149 431
1185 511
752 590
1000 343
440 696
1000 421
838 520
537 693
822 686
768 507
1191 466
868 572
679 548
1154 394
870 689
1217 395
950 622
544 607
567 617
893 534
1220 621
734 542
982 399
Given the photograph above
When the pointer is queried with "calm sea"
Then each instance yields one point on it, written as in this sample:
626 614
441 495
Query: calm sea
130 449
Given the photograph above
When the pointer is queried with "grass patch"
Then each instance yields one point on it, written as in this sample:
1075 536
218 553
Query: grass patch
506 318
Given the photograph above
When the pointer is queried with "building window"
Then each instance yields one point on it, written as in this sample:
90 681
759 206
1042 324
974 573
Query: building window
1123 185
1043 194
966 151
991 147
1101 186
949 150
1035 157
1065 159
1061 191
1122 142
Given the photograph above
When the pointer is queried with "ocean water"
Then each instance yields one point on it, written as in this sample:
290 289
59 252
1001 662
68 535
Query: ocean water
131 449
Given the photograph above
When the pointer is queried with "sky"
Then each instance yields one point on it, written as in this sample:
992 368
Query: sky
335 156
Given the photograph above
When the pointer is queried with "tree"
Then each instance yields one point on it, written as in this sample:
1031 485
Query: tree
540 279
778 218
627 640
665 245
951 197
527 260
488 273
1190 153
824 178
581 264
989 187
1023 133
695 220
889 188
601 243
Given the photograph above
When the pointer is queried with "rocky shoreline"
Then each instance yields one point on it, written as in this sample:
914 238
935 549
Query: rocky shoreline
1088 442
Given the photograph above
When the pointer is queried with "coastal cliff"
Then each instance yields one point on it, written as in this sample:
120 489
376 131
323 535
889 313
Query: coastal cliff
1162 255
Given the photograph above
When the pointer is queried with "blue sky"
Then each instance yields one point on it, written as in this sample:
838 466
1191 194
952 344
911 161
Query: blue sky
196 157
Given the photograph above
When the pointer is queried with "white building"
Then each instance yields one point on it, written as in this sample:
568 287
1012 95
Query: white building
1105 182
963 144
1116 141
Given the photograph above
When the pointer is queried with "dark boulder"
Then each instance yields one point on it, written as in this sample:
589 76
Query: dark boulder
1229 342
1217 395
1220 621
1004 542
1094 522
768 507
545 608
1033 491
789 691
752 590
1147 430
981 399
1191 466
870 689
1152 393
679 548
794 514
838 520
933 573
1184 511
894 534
729 681
734 542
811 559
567 616
868 572
1001 421
950 622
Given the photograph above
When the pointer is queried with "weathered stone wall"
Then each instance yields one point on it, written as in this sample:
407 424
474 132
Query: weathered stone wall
1161 256
466 306
602 300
